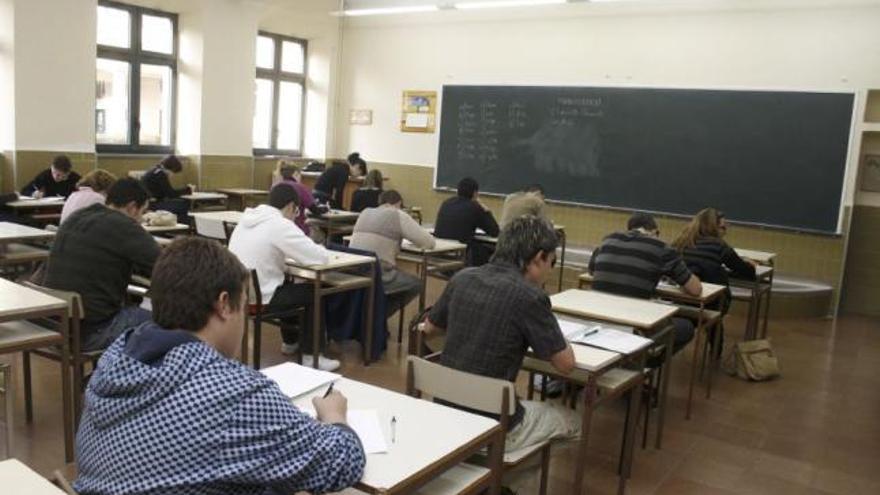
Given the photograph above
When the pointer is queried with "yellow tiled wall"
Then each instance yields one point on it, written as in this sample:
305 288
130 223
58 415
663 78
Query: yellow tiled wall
861 293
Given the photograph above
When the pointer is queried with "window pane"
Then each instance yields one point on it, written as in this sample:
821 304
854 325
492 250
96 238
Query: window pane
263 114
114 27
265 52
290 115
157 34
156 93
292 57
111 105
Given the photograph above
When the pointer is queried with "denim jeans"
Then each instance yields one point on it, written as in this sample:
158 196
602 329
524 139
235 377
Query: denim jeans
100 336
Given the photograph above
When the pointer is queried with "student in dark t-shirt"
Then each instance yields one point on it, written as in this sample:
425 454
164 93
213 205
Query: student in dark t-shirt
459 218
368 195
330 186
632 263
57 180
166 197
492 314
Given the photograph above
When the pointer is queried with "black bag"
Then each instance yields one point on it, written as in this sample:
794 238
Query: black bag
314 167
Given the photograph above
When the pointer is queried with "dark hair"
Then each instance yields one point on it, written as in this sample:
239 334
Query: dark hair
538 188
125 191
171 163
282 195
187 279
467 187
374 179
641 220
355 160
523 238
390 197
62 164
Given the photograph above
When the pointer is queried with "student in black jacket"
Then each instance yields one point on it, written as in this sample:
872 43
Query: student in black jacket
159 186
707 256
57 180
460 216
95 253
368 195
331 184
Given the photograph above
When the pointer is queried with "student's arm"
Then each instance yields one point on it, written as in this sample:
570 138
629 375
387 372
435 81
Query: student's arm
295 244
675 268
140 247
267 441
486 221
740 268
414 233
8 198
541 330
438 317
37 184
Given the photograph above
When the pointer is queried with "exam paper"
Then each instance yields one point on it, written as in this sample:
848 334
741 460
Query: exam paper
295 380
365 423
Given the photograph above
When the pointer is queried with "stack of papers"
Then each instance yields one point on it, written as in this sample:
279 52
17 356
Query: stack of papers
602 336
295 380
573 330
365 423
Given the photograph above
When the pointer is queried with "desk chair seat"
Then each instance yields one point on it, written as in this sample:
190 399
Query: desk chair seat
478 393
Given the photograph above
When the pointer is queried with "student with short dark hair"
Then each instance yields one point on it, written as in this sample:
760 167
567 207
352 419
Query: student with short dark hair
632 263
263 239
381 231
330 186
460 216
57 180
95 253
91 189
529 201
493 314
289 173
170 410
166 197
368 194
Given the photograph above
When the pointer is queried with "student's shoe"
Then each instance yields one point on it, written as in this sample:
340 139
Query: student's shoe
289 349
324 363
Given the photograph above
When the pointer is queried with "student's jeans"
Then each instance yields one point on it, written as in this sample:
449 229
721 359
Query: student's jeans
99 336
683 333
400 289
291 295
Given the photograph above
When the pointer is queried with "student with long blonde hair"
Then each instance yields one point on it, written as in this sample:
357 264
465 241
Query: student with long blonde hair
91 189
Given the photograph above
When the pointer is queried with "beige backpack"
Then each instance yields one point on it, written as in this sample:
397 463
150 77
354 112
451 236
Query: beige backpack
753 360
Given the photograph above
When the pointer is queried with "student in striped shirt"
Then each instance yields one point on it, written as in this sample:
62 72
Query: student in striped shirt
632 263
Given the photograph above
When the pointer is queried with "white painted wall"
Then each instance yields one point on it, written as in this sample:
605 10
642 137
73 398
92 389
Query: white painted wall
810 48
55 75
7 75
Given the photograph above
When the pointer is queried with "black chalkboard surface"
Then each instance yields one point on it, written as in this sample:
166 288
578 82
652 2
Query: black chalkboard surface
775 158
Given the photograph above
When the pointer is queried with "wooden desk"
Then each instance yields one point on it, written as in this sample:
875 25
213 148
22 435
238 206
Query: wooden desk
179 228
649 318
44 210
23 481
19 303
335 221
760 291
560 231
429 438
309 179
228 216
205 200
242 195
13 240
760 257
446 255
325 283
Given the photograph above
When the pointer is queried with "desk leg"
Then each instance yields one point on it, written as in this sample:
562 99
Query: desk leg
66 402
664 387
713 357
316 322
580 464
629 438
368 341
423 274
767 308
563 240
698 349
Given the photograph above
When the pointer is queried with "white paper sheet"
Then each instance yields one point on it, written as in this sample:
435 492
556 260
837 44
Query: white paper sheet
419 120
295 380
365 423
615 340
572 330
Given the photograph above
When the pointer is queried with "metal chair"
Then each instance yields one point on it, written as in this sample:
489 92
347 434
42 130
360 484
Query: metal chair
257 313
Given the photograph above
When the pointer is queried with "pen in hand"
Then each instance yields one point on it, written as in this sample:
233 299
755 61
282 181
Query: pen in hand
329 390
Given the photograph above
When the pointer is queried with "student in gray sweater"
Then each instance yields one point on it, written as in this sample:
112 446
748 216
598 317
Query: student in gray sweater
381 231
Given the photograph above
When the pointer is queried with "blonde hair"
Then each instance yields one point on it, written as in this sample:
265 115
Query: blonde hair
286 169
373 179
705 224
98 180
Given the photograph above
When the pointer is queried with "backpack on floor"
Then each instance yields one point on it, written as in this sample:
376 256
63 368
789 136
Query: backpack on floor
753 360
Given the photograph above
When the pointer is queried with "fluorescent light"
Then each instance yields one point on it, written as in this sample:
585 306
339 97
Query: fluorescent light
505 3
407 9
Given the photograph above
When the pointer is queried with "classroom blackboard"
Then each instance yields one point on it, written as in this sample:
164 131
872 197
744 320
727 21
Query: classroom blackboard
775 158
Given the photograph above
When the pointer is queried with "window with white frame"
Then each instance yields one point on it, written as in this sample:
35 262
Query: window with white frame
279 95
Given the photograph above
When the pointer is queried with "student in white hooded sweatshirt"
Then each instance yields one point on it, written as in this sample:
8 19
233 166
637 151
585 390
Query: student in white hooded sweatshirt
264 237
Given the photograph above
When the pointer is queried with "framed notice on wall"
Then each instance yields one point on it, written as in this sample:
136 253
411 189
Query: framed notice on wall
419 110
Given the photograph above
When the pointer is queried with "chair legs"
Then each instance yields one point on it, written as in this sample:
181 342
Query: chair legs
545 469
400 325
28 392
257 341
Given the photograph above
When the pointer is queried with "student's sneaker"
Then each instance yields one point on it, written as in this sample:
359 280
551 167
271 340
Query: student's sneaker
324 363
289 349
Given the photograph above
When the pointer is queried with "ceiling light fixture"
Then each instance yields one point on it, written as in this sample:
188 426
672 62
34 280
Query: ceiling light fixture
505 3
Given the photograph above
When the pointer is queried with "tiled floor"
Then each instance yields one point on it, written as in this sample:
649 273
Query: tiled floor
816 430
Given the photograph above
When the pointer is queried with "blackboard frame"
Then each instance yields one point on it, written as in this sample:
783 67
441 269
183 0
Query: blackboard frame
847 176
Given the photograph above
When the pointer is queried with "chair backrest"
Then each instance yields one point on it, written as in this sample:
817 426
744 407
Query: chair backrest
480 393
212 229
255 296
73 299
228 228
